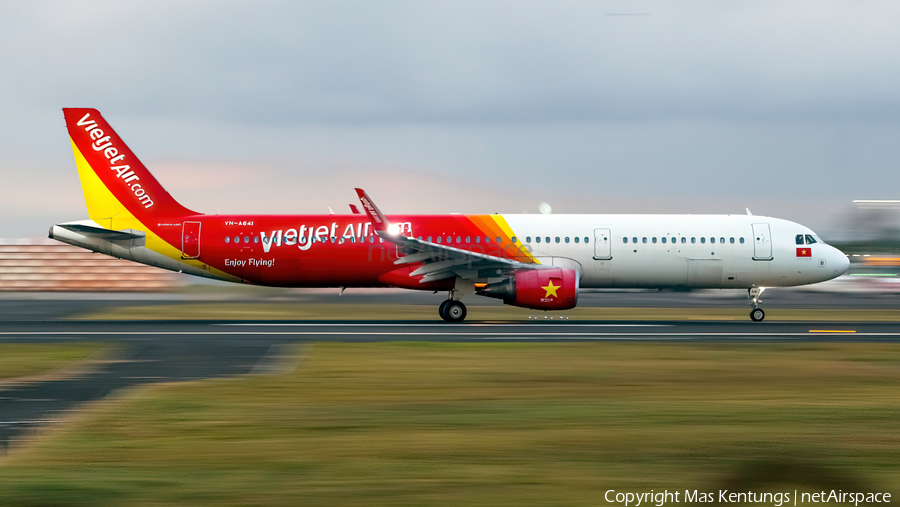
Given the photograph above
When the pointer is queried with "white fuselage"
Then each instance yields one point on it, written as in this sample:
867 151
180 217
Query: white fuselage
680 251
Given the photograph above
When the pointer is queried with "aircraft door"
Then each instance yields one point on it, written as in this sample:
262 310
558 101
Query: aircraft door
602 242
190 240
762 242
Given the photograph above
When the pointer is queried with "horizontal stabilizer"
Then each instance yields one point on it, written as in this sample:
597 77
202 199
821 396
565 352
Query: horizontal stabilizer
92 229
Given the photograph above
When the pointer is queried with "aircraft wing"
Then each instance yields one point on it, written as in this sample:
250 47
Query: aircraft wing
439 261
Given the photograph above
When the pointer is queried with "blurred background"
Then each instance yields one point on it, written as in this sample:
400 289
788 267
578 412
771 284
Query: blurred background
790 110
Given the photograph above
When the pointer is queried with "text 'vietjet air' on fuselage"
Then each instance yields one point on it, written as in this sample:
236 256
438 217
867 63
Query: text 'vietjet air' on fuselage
530 261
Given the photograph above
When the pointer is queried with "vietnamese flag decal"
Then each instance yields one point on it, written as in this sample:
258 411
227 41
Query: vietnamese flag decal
804 252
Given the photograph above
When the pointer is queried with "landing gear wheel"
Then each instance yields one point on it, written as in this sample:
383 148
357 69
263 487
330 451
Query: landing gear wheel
757 315
443 308
453 311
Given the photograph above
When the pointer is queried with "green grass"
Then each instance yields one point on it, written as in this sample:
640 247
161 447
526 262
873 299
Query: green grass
483 424
364 311
27 360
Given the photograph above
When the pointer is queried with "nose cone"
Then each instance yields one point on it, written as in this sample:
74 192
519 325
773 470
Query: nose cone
841 263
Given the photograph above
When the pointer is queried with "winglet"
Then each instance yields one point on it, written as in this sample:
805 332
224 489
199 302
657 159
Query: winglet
354 209
748 211
377 218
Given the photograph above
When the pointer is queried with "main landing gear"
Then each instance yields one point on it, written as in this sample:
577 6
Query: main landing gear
756 314
452 311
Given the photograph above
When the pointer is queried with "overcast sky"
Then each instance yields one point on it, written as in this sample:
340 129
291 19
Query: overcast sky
789 108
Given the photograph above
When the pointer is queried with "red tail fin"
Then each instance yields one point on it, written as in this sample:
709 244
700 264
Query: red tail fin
118 169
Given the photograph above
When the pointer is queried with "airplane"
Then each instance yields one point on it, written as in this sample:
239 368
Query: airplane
531 261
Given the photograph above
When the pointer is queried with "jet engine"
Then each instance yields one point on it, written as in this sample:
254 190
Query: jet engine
540 289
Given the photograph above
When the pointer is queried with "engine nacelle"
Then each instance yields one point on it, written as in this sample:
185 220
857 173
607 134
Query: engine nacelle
540 289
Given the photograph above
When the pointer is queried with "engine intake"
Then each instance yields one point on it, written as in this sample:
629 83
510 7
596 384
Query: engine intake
540 289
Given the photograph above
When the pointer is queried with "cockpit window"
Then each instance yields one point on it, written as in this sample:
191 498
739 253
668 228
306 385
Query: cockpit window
799 239
810 240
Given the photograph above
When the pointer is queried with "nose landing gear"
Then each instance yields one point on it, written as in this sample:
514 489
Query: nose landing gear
452 311
756 314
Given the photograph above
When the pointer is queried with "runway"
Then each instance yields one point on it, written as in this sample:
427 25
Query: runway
199 332
166 351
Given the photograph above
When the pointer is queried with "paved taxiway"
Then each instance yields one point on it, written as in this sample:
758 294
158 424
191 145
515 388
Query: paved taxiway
165 351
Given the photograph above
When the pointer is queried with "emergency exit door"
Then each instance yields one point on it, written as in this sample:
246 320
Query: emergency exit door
190 240
602 244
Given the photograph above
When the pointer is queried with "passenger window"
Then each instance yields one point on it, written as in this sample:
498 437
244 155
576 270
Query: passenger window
547 239
372 239
799 239
732 240
440 239
449 239
634 240
458 239
683 239
256 239
557 239
246 239
693 240
237 239
429 239
528 239
654 240
576 239
586 239
514 239
644 240
742 241
703 240
302 240
722 241
487 239
663 240
537 239
810 240
712 240
468 239
228 239
567 239
624 240
478 239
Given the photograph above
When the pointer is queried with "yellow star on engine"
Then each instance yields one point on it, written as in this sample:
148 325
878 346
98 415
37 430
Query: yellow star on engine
551 289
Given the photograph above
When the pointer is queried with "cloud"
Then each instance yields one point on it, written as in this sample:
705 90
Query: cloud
279 106
184 175
505 61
